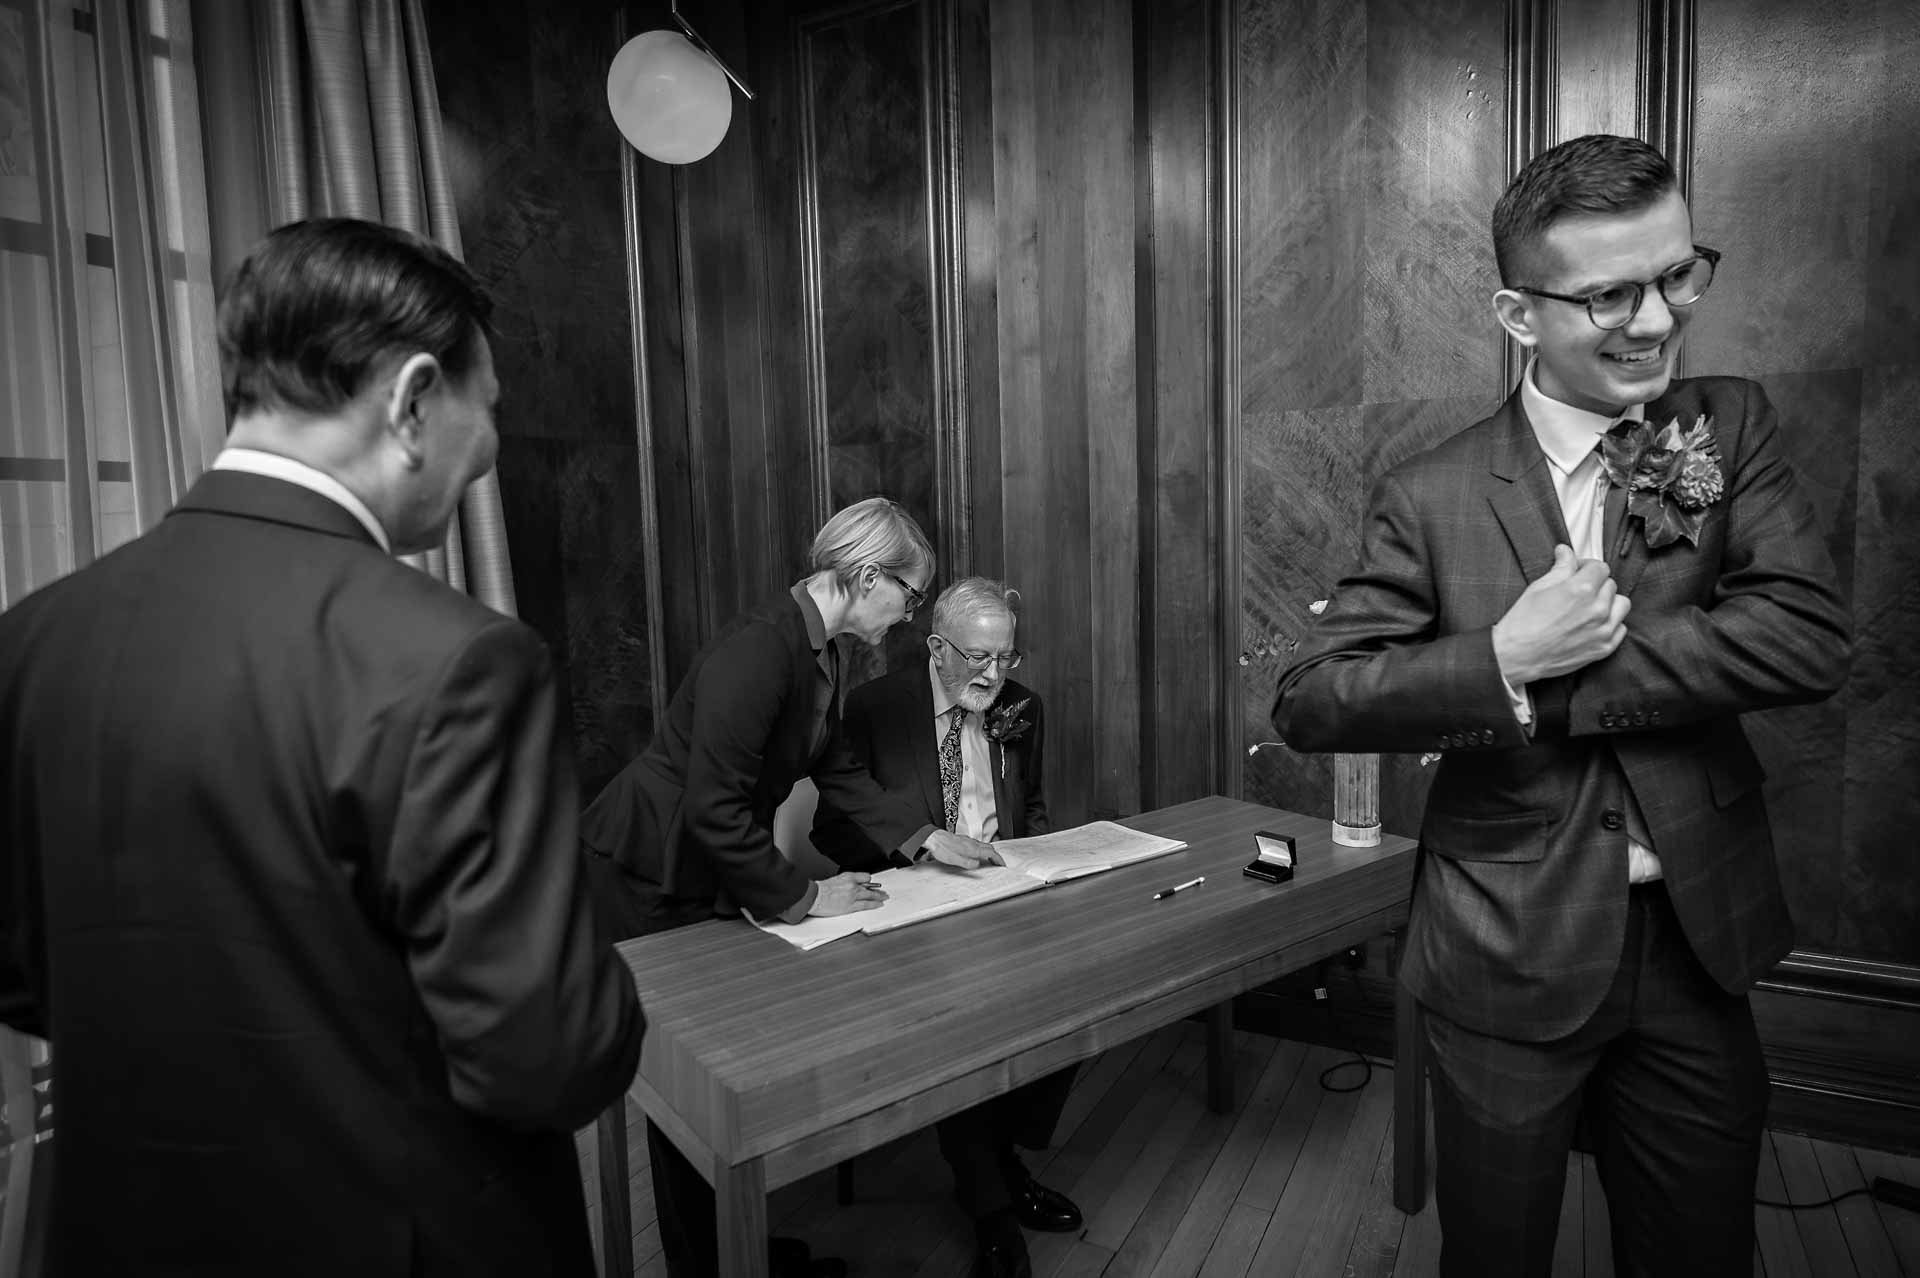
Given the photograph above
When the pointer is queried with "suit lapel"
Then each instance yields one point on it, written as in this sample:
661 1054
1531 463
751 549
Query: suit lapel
915 718
1523 498
1003 804
1009 803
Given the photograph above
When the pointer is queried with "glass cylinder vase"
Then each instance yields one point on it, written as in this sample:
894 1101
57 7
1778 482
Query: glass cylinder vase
1356 800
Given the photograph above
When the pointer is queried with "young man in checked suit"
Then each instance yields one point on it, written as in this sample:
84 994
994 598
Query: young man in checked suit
1597 888
961 740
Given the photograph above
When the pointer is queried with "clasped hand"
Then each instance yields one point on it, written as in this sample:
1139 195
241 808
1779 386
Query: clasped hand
1569 617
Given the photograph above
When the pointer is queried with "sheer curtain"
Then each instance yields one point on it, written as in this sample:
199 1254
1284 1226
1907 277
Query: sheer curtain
353 129
110 404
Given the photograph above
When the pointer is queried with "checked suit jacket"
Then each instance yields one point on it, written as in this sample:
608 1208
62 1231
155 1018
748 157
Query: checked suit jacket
1520 902
889 725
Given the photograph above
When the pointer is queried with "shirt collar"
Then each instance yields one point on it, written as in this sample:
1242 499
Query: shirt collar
272 465
1566 433
941 701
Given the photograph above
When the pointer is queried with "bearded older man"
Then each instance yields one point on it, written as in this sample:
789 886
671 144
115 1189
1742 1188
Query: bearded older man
960 739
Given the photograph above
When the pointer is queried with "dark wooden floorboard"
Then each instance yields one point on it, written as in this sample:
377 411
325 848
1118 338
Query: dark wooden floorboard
1296 1181
1903 1227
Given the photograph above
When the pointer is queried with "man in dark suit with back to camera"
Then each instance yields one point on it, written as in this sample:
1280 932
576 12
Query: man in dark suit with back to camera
291 878
1575 600
962 742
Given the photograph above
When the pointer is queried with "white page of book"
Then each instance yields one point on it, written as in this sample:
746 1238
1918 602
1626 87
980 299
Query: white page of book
929 890
1085 849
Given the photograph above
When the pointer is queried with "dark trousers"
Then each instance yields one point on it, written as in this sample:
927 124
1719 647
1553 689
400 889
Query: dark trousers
979 1143
1670 1070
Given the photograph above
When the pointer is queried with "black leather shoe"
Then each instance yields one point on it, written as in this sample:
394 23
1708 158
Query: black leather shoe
1001 1249
1046 1210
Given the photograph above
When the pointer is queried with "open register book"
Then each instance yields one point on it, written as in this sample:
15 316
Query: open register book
928 891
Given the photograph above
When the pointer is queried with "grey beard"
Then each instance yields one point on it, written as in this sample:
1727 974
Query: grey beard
974 699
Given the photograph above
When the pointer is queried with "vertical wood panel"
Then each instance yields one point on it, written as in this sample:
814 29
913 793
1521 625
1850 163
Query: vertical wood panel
1371 151
1790 102
1062 85
1879 889
536 169
980 302
866 181
1597 44
1779 83
1435 170
1179 503
1104 68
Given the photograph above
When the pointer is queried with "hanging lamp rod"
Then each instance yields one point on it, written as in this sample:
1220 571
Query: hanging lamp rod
707 49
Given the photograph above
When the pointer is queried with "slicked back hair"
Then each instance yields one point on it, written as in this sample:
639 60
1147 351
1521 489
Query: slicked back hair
320 306
971 596
1598 173
875 531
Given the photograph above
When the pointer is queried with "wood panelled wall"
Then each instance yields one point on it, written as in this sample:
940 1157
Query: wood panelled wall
1130 300
537 184
961 254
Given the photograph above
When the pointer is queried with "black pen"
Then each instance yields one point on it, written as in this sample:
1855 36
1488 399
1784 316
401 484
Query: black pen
1180 887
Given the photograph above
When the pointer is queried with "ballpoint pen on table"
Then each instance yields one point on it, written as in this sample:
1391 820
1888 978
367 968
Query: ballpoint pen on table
1179 887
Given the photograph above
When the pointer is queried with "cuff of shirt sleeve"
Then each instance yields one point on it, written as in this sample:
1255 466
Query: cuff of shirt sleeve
1522 702
798 910
911 848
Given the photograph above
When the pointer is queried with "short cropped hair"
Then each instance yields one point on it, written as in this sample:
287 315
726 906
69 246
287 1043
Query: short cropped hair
1598 173
873 531
320 306
971 596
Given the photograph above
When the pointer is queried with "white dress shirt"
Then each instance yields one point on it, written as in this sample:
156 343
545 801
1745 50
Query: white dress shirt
978 817
1567 435
274 466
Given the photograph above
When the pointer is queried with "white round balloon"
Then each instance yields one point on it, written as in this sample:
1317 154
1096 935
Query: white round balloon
669 99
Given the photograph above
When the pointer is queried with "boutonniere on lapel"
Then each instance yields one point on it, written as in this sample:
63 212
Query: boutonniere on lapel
1005 726
1671 474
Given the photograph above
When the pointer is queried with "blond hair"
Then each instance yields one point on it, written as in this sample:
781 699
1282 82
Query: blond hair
874 531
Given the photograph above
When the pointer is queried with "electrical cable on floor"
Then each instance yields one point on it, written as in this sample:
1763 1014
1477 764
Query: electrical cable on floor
1824 1202
1365 1062
1895 1193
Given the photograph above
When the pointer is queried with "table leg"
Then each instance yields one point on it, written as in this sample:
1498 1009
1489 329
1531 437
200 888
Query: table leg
1220 1057
740 1219
1409 1098
616 1218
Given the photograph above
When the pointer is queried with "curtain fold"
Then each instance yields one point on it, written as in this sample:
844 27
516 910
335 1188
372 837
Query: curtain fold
353 130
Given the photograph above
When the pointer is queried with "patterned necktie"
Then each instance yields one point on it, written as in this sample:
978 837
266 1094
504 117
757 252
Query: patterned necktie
1614 499
950 767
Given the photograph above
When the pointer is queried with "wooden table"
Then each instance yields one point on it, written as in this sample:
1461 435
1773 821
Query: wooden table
765 1064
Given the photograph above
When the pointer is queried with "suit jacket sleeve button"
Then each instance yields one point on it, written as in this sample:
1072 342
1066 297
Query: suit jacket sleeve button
1653 717
1613 818
1640 719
